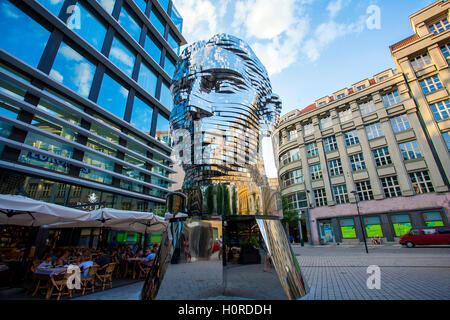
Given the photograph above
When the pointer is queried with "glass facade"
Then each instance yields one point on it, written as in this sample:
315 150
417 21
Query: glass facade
67 146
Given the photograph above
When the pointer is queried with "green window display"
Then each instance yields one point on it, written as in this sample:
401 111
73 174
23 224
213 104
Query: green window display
155 237
432 219
401 224
373 227
347 228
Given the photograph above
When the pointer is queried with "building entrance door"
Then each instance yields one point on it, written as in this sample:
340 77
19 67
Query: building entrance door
326 231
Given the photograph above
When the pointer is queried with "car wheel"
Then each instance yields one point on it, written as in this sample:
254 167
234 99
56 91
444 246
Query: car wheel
409 244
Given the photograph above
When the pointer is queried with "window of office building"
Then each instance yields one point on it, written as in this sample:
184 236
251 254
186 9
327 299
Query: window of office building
374 131
432 219
142 4
357 161
359 88
173 43
108 5
441 110
446 136
101 146
321 197
147 79
26 38
290 156
391 98
410 150
382 156
122 57
325 123
153 48
102 132
312 150
420 62
330 144
431 84
91 29
400 123
53 127
176 18
345 115
166 96
401 224
347 228
52 5
308 129
316 172
292 177
351 137
98 161
340 194
163 130
157 21
95 175
164 4
129 23
297 200
73 70
112 96
58 111
439 26
335 167
141 117
391 187
340 96
169 66
367 108
364 190
421 182
373 227
446 50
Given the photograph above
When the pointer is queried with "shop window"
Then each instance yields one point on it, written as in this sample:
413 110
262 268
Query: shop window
401 224
432 219
373 227
348 228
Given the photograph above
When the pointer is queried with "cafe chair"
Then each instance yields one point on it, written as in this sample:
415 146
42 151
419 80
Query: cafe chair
59 282
89 279
144 268
107 276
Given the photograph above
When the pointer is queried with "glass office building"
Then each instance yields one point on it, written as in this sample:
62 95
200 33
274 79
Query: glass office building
83 95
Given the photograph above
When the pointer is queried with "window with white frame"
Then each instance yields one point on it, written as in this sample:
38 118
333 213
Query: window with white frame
335 167
374 131
308 129
290 156
367 108
446 136
446 50
391 98
421 182
325 123
340 194
321 197
382 156
340 96
400 123
316 172
391 187
439 26
291 135
441 110
297 200
292 177
359 88
431 84
330 143
357 161
351 137
420 62
312 150
345 115
364 190
410 150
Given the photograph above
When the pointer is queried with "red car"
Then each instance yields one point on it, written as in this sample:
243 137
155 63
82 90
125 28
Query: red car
216 246
426 236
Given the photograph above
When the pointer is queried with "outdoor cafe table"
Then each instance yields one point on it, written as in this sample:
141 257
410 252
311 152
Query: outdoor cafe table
134 262
45 274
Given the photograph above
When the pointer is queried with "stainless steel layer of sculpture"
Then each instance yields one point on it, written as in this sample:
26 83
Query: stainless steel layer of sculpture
223 106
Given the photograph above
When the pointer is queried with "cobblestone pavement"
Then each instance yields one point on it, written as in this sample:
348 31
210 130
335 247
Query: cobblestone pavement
331 272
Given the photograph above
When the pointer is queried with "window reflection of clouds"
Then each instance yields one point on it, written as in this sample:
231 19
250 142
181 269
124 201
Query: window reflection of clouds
108 5
147 79
153 48
112 96
157 21
129 24
141 4
72 70
141 116
26 38
122 57
54 6
166 96
91 29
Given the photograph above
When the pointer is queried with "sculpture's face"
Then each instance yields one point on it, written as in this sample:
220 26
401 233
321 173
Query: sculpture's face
215 98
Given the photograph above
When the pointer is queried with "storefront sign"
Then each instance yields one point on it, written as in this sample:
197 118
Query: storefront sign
41 158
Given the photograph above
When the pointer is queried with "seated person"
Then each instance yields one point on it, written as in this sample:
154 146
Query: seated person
47 263
150 256
63 260
85 265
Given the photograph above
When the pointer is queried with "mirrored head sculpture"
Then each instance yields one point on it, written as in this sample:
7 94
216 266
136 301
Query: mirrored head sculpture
232 243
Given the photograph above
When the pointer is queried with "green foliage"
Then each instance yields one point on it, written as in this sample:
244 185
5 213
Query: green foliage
209 194
234 201
226 199
290 215
219 200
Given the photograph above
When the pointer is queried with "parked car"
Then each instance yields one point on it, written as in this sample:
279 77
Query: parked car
426 236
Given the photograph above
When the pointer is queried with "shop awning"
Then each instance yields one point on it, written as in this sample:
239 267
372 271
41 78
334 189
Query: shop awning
23 211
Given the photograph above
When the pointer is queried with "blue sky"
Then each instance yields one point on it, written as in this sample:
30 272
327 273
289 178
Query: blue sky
311 48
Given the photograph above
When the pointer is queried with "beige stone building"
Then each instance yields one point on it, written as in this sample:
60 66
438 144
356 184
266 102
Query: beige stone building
385 139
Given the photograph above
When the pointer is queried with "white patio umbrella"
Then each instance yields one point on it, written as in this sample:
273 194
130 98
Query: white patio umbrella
23 211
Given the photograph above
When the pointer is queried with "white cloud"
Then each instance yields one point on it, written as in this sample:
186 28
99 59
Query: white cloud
83 75
122 56
268 158
55 1
124 92
334 7
108 5
70 54
8 10
55 75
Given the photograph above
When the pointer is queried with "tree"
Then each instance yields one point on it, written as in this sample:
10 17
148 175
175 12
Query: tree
226 200
210 199
290 215
219 199
234 201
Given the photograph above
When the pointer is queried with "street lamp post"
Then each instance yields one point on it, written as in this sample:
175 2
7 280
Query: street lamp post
360 220
302 242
